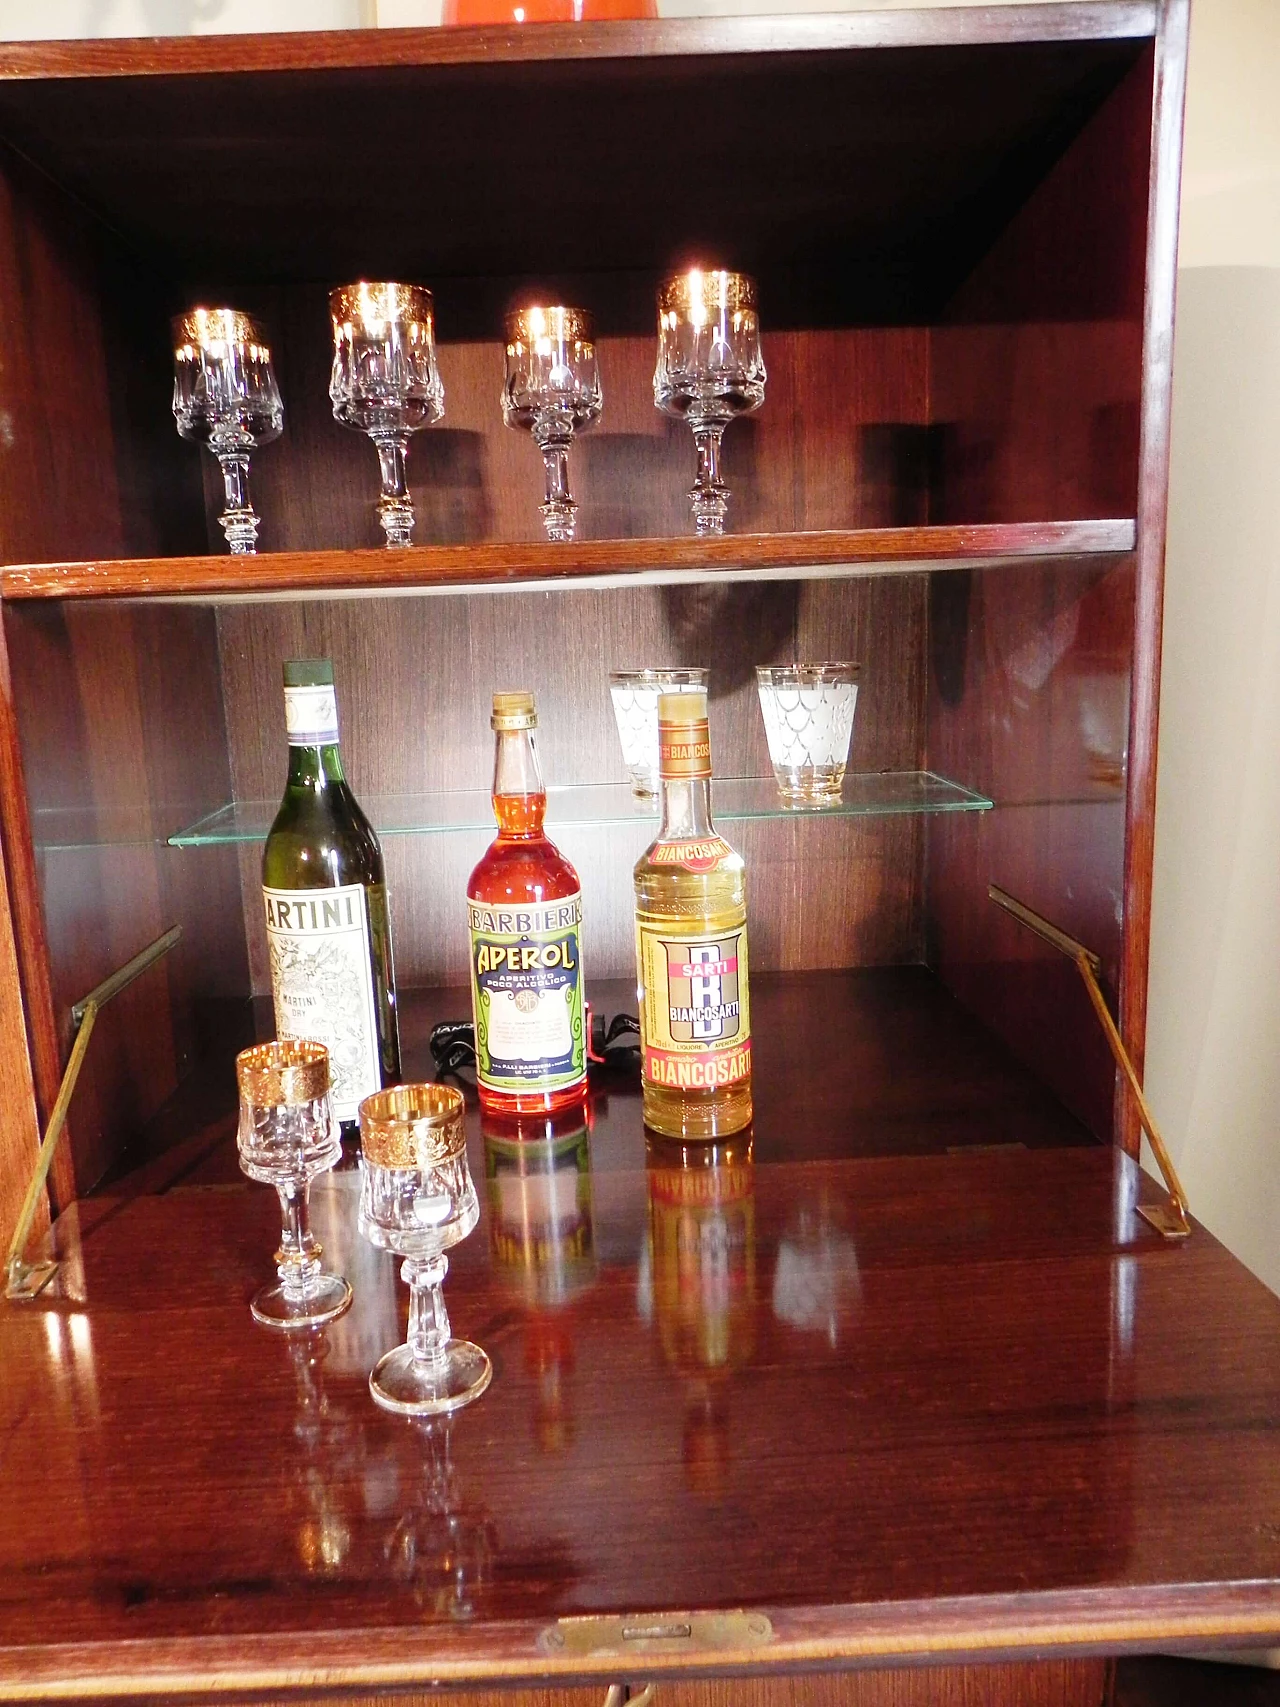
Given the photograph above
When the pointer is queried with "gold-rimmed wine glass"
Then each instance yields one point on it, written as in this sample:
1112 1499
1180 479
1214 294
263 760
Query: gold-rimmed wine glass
710 369
288 1134
552 390
385 382
225 397
417 1198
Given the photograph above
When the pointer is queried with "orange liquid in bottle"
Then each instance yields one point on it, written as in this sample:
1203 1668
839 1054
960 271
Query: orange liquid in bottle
522 871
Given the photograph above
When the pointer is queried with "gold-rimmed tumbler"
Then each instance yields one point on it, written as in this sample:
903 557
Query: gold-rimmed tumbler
417 1198
287 1135
225 397
710 370
384 381
551 389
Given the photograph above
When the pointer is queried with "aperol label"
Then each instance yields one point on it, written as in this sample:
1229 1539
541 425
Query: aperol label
526 991
696 1027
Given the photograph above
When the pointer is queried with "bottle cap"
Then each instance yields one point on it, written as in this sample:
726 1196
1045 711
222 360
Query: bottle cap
684 745
683 705
308 673
514 711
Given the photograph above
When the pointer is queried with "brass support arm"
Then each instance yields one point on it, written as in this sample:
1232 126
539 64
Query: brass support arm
1170 1219
23 1280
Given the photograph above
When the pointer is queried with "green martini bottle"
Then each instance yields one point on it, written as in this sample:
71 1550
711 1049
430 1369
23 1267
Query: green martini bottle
328 924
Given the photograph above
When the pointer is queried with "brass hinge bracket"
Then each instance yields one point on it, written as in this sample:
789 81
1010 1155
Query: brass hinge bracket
656 1635
24 1280
1169 1219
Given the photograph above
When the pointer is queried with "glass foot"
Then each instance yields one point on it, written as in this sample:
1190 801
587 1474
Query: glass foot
327 1297
421 1387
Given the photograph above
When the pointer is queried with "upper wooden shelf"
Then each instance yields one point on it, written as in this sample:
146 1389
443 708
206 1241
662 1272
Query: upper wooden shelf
448 568
330 50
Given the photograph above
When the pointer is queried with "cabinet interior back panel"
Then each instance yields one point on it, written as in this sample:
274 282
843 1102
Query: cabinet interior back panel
415 678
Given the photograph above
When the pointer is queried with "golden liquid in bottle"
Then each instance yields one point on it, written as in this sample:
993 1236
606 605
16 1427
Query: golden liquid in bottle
679 902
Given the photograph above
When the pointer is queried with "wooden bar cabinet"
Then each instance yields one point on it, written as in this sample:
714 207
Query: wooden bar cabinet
898 1387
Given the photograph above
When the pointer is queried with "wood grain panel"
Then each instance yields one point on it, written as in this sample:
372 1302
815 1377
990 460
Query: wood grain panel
1153 498
119 715
867 551
991 1484
1029 692
415 682
836 445
1054 1683
19 1120
1036 370
1040 373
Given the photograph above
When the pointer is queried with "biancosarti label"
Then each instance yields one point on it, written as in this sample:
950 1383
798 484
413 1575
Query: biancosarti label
684 749
704 855
311 716
696 1032
322 983
526 993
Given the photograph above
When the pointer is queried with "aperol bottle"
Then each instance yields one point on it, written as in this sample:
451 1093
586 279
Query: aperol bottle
524 907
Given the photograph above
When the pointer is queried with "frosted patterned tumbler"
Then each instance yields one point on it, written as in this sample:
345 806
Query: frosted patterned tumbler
808 717
635 705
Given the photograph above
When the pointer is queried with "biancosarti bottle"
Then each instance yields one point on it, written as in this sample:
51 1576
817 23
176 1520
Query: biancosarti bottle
691 945
524 911
328 924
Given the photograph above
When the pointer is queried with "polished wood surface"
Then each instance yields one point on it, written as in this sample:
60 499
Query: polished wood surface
19 1117
1036 367
1054 1683
119 714
1144 706
1039 367
455 568
878 1062
925 1407
1028 697
311 50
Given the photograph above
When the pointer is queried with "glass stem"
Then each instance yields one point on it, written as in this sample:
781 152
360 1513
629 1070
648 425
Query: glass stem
710 495
395 508
428 1318
298 1259
559 512
239 522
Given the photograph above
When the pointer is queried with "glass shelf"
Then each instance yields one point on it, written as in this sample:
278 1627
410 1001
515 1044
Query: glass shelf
867 795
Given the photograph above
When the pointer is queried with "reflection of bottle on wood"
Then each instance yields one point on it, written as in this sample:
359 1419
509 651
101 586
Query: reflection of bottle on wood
702 1252
540 1232
328 925
524 908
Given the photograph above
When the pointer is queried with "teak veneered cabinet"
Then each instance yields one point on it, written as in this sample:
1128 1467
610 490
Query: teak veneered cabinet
963 225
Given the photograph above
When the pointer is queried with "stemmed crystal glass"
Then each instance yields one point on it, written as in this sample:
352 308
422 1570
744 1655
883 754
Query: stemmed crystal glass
552 390
417 1198
225 397
709 369
287 1135
385 381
